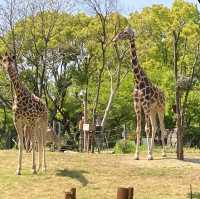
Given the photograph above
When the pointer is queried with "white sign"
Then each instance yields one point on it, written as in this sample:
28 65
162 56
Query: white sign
86 127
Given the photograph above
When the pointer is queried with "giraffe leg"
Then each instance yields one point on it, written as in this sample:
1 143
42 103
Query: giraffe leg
44 155
27 140
26 144
154 127
33 151
30 144
162 128
43 134
147 130
39 152
138 129
19 129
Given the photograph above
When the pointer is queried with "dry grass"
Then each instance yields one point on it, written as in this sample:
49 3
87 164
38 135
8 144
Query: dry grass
98 176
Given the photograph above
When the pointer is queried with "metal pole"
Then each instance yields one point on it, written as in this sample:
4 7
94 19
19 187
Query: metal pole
85 120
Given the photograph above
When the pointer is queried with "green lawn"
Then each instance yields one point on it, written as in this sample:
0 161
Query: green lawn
97 176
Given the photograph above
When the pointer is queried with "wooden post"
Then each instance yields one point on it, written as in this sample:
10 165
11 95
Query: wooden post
73 190
125 193
70 194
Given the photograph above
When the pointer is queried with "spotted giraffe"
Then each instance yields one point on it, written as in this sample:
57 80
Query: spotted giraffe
51 138
147 97
28 110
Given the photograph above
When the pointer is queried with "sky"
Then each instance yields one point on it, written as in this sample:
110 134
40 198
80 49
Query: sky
127 6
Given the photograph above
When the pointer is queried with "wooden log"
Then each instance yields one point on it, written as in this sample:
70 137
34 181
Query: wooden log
70 194
73 190
131 191
125 193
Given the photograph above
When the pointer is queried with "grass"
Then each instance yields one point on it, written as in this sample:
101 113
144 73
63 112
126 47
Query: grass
98 176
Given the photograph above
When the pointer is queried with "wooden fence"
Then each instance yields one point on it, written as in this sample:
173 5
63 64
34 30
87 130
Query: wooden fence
122 193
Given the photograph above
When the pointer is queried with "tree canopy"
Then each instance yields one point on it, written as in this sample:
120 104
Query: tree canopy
60 53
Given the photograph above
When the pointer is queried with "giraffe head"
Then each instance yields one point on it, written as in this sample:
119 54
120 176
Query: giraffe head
7 61
127 33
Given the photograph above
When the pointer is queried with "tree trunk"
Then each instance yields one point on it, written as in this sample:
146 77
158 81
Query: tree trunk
180 155
179 126
112 93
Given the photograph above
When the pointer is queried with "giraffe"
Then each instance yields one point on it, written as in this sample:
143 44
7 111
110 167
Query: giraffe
51 137
27 138
28 110
147 98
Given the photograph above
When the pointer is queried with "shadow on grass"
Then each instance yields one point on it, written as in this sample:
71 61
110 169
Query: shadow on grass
193 160
75 174
195 195
162 158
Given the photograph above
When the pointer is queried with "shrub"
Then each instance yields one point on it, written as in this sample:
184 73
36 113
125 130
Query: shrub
124 146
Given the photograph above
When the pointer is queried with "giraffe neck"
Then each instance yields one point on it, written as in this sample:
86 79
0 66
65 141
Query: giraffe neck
138 72
18 87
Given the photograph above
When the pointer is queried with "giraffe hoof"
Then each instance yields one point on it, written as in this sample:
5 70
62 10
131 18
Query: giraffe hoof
18 172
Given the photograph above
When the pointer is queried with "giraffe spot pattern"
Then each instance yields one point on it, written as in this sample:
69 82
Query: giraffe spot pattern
141 85
134 61
136 70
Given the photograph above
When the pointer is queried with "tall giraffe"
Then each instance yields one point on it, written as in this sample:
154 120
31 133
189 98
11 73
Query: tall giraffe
147 97
28 110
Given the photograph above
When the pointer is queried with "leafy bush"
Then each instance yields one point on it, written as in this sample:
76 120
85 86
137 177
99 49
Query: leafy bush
124 146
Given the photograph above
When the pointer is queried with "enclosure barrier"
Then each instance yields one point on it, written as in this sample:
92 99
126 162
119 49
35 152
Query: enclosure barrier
70 194
122 193
125 193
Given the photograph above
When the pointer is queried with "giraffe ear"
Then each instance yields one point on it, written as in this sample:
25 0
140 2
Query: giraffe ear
6 54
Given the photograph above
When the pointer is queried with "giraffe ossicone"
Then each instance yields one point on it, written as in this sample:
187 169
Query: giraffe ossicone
28 110
147 98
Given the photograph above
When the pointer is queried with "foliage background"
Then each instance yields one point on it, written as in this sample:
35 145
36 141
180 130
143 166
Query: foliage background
59 53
